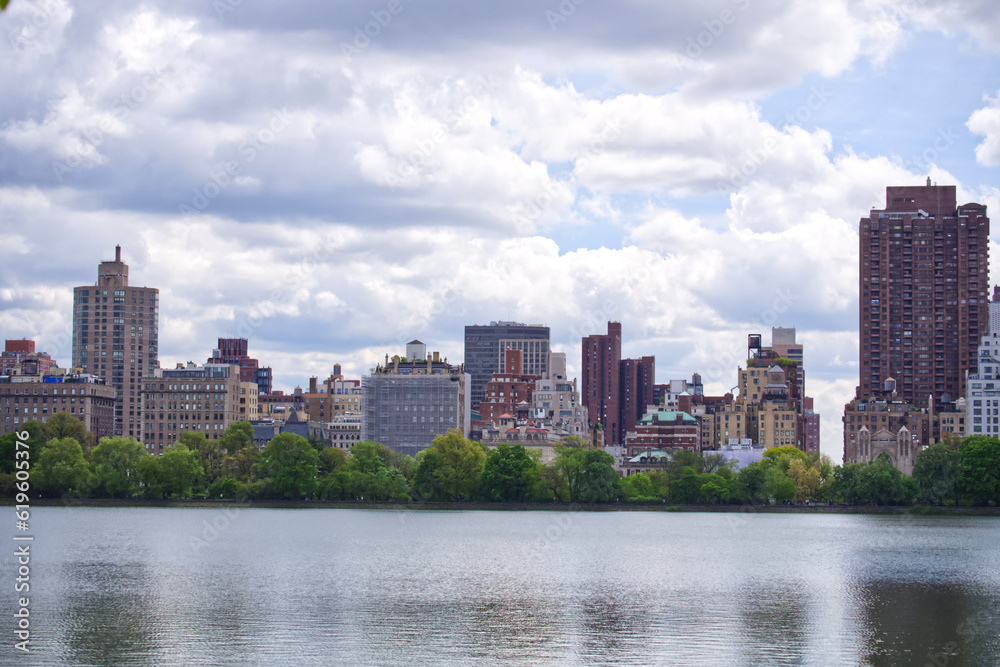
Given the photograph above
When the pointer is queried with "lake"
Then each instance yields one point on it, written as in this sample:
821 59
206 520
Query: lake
249 586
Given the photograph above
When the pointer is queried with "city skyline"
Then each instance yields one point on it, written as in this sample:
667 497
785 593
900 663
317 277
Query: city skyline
670 168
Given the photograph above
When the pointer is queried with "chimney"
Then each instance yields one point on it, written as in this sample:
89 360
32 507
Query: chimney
312 385
118 253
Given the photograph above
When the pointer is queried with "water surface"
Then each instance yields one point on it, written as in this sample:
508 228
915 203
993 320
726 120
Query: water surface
180 586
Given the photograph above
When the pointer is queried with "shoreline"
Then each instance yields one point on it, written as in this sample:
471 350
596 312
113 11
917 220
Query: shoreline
918 510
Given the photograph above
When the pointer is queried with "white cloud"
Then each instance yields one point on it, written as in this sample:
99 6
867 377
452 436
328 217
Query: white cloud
986 123
431 182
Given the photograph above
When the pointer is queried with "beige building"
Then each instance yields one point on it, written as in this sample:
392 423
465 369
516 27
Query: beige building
27 396
344 431
335 398
901 447
248 409
555 400
190 398
512 431
115 337
730 423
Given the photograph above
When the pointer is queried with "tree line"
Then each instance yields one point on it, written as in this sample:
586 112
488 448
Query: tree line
66 462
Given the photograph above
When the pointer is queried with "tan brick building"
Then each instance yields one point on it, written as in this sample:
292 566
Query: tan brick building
190 398
25 398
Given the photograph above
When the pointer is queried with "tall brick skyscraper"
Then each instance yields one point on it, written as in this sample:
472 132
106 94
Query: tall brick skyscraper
616 391
924 272
602 355
115 336
636 378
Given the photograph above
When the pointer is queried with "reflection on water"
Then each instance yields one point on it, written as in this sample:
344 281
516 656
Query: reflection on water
140 586
942 624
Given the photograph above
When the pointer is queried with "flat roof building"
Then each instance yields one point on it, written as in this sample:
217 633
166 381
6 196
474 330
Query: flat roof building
205 399
924 268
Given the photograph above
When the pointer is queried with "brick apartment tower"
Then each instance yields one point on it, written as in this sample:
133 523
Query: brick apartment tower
924 269
602 355
636 381
116 337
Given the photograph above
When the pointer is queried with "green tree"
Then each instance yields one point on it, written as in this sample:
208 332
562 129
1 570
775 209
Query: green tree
370 457
980 480
425 485
507 473
8 445
716 463
61 469
714 489
244 465
290 465
152 477
238 436
686 488
226 487
753 479
64 425
589 474
937 472
181 469
846 483
684 458
638 488
115 462
406 465
778 486
782 457
330 459
881 483
317 442
875 483
805 478
461 463
546 484
598 482
573 441
209 454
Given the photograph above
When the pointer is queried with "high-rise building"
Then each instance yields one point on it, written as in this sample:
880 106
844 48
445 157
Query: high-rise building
923 293
116 336
484 346
600 377
236 351
637 377
616 391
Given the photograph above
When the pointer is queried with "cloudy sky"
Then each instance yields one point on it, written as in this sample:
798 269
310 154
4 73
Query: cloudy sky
331 180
